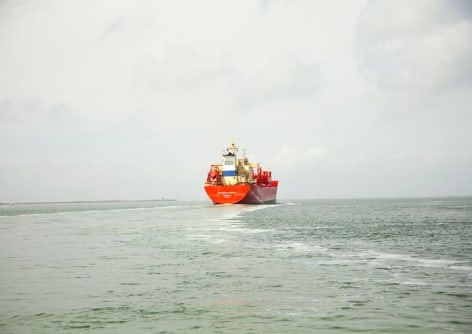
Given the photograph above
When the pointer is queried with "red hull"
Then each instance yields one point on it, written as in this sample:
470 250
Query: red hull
242 193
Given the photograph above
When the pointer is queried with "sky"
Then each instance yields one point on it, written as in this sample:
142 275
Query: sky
128 100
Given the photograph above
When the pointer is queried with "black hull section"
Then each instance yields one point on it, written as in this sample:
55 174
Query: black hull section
259 194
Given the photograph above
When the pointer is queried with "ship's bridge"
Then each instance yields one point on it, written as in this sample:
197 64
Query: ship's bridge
229 161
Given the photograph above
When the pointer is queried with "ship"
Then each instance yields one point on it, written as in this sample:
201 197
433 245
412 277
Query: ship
237 181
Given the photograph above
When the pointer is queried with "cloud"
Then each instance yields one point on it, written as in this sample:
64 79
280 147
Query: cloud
180 67
292 156
35 115
117 26
279 79
421 46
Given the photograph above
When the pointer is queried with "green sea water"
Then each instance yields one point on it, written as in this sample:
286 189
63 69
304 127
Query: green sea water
301 266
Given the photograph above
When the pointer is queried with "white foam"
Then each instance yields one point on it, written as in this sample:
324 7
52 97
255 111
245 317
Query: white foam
414 283
417 261
301 247
238 228
463 268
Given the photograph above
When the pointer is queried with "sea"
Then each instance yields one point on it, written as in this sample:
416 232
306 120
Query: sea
299 266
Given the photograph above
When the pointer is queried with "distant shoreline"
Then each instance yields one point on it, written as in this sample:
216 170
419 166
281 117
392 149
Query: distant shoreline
98 201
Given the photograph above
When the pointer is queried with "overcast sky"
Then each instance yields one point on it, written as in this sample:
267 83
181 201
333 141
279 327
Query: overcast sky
134 99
